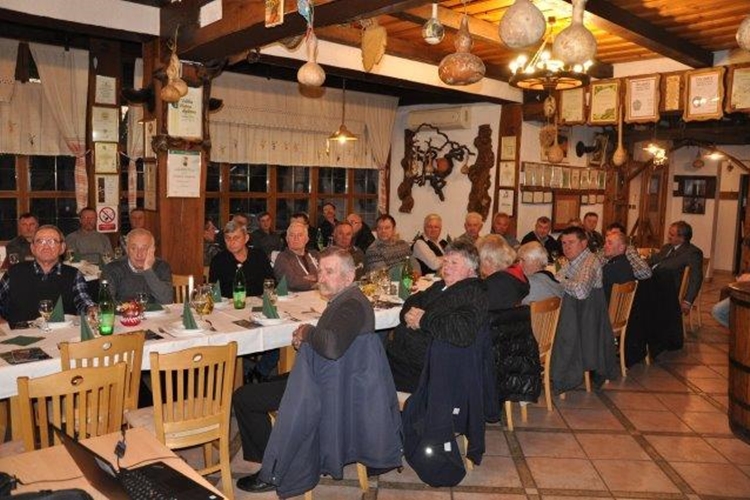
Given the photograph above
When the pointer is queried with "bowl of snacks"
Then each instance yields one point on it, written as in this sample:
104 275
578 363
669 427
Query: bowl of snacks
130 313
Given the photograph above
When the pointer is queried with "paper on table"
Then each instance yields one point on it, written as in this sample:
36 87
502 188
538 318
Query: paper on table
58 314
188 320
282 289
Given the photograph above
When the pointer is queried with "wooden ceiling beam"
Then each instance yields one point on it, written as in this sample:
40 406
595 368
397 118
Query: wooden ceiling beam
242 24
620 22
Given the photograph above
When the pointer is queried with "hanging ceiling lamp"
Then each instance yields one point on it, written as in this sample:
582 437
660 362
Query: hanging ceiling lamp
433 31
343 134
543 72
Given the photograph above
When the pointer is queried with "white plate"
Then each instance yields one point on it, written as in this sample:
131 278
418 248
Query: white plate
268 321
178 330
289 296
58 324
225 302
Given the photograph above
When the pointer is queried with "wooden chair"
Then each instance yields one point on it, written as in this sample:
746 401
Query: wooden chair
698 298
192 403
620 304
544 317
181 287
682 293
84 402
106 351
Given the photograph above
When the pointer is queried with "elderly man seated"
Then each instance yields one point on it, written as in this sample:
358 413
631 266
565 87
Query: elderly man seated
473 223
427 250
26 283
584 340
140 272
542 283
541 233
298 264
323 396
387 250
343 234
501 226
616 268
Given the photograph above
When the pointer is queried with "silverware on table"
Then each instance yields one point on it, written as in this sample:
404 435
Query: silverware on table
211 325
162 330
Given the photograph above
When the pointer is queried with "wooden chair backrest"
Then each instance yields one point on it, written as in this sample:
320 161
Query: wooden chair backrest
684 283
192 392
106 351
544 316
180 285
620 303
84 402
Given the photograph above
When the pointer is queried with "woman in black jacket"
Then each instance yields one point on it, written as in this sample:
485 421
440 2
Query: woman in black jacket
452 310
516 351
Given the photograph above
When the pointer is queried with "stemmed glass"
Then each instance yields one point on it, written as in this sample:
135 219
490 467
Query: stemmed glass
201 300
92 317
45 310
269 287
142 299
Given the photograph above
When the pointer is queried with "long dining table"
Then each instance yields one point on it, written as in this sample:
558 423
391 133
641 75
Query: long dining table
221 328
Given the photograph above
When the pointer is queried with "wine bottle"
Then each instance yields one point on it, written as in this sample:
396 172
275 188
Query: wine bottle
106 309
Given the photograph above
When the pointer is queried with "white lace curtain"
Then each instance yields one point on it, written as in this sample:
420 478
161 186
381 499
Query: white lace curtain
269 121
8 56
64 76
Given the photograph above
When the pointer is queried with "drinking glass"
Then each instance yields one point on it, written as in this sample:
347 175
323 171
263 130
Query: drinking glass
201 300
269 287
142 299
92 316
45 310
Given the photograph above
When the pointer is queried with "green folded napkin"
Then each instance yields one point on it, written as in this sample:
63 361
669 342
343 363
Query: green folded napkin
269 310
188 321
216 292
86 333
394 273
282 289
58 314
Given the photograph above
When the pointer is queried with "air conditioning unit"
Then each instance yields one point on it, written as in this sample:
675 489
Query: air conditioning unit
442 118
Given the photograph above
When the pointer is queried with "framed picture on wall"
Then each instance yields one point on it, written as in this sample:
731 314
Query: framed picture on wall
739 89
605 102
672 88
572 108
105 124
642 99
505 201
527 197
507 174
564 208
704 94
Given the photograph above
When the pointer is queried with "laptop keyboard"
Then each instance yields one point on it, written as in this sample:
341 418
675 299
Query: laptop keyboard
139 486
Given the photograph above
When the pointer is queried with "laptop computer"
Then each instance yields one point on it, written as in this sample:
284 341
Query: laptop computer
155 480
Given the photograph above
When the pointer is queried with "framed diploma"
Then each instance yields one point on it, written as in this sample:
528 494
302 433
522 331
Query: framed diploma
105 124
538 197
704 94
572 107
642 99
508 147
565 208
186 120
585 179
547 197
149 131
105 157
575 178
105 91
565 178
672 89
183 174
585 199
507 174
739 89
527 197
557 177
505 201
605 102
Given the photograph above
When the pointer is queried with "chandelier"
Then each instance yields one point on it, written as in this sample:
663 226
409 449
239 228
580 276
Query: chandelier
543 72
658 152
343 134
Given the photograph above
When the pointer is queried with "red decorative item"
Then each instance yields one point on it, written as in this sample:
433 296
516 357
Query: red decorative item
130 313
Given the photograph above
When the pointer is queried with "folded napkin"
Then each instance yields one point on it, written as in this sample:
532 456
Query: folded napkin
188 320
58 314
86 333
269 310
216 292
282 289
394 273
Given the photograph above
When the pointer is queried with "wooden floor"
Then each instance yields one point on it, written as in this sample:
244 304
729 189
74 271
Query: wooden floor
660 433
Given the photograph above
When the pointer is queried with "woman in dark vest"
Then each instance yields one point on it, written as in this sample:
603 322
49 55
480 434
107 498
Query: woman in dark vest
428 248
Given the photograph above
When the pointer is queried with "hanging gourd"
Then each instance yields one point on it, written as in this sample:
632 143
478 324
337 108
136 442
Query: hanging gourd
523 24
743 34
310 73
575 44
175 87
462 67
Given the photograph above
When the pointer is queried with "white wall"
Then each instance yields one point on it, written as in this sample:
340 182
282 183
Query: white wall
453 209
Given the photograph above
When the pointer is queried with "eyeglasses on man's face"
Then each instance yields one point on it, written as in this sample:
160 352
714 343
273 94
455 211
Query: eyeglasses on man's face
49 242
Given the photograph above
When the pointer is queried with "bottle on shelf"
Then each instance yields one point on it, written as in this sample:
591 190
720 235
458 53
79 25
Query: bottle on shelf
239 292
106 309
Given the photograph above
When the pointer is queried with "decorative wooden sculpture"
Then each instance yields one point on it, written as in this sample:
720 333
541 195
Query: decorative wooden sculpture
428 162
479 173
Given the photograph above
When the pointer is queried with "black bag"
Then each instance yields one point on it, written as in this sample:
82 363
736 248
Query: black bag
430 447
70 494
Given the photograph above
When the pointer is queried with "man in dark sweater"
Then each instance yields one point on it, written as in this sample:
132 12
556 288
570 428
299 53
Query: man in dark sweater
20 246
26 283
617 268
347 315
541 234
252 261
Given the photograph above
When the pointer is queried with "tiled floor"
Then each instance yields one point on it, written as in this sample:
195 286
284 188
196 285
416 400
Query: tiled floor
660 433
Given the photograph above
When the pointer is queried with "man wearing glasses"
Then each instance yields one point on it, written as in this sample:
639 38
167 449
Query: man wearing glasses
26 283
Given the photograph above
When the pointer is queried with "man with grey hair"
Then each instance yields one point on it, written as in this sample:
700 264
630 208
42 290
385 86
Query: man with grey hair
298 265
542 283
472 225
252 262
501 226
140 271
428 248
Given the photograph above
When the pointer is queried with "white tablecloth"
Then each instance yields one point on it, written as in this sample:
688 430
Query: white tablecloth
303 307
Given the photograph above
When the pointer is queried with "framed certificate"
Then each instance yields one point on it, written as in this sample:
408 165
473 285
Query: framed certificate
672 88
105 157
105 124
605 102
505 201
642 99
507 174
149 131
183 174
186 120
508 147
538 197
575 178
704 94
527 197
739 89
572 107
105 91
565 208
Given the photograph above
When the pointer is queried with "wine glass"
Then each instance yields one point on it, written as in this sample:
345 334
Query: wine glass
45 310
142 299
269 288
92 316
201 300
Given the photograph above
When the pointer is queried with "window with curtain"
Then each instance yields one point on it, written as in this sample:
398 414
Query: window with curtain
284 190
